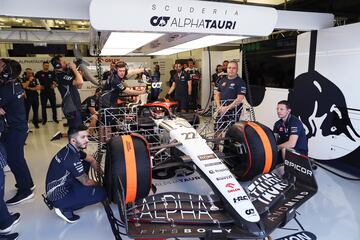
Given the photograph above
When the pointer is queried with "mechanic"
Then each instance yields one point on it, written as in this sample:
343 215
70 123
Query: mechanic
7 220
48 84
115 85
31 86
69 80
194 75
89 108
182 85
217 76
154 85
228 97
225 64
290 130
12 108
68 186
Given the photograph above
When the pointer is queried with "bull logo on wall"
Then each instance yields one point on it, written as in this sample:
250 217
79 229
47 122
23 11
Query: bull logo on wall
321 106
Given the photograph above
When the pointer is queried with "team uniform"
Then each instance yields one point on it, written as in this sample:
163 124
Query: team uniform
181 90
32 100
13 139
292 126
229 90
5 217
155 87
194 76
89 102
63 190
71 102
46 80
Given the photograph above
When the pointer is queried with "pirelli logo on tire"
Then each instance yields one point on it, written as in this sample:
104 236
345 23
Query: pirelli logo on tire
207 157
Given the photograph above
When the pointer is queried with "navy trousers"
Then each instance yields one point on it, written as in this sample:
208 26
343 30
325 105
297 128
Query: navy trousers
81 196
14 140
5 217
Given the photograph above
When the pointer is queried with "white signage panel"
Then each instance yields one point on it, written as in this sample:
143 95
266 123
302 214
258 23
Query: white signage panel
182 16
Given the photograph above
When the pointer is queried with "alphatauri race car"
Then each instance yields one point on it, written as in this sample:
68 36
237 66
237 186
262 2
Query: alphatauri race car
239 193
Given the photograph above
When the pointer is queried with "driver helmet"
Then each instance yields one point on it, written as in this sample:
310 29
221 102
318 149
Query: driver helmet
157 112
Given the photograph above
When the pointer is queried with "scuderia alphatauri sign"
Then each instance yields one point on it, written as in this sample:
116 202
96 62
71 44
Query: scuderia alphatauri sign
182 16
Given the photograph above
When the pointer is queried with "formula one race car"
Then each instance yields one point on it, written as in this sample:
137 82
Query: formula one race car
240 192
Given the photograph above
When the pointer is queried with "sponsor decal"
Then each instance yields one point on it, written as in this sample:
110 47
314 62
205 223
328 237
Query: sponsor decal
298 168
207 157
197 208
213 164
267 187
176 181
218 170
160 231
231 188
240 198
250 211
279 212
304 235
224 177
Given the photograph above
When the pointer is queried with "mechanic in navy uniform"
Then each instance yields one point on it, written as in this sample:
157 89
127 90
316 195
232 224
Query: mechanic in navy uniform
12 108
228 97
48 84
7 220
68 186
89 108
115 85
154 85
194 75
31 86
182 86
69 80
290 130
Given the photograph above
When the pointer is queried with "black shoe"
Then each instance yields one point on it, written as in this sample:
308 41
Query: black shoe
36 125
69 217
57 136
56 121
15 219
43 122
32 188
12 236
19 198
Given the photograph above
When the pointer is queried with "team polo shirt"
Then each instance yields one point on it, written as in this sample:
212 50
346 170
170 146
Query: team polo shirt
12 101
230 88
116 85
292 126
64 168
181 89
65 85
46 80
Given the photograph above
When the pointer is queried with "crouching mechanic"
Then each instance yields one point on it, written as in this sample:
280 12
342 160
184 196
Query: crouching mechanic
68 186
289 130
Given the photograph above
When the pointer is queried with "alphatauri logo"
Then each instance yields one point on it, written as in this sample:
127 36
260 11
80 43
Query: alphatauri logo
159 21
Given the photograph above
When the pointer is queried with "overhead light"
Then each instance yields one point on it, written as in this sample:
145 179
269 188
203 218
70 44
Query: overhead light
206 41
122 43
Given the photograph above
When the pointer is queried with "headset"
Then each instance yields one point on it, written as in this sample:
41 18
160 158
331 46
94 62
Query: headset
55 62
6 73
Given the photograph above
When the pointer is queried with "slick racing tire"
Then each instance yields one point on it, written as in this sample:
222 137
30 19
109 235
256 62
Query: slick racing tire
128 159
250 149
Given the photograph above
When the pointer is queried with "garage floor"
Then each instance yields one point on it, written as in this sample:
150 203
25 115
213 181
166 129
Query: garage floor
333 213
